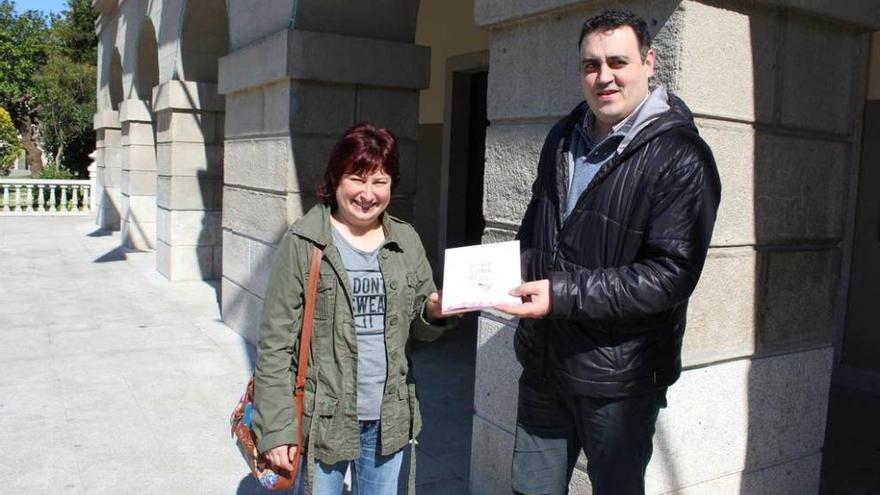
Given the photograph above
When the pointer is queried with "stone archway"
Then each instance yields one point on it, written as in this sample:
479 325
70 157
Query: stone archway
116 93
147 75
204 38
139 147
190 117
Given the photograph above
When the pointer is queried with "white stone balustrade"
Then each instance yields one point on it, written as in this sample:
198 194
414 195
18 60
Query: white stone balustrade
29 197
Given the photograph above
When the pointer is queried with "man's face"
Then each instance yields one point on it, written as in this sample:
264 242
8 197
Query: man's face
613 75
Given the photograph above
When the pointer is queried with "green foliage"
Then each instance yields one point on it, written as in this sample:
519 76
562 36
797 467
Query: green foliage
48 76
10 148
52 171
68 83
67 106
75 32
24 46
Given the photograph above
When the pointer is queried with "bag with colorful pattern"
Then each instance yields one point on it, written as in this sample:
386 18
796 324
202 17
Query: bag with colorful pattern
272 477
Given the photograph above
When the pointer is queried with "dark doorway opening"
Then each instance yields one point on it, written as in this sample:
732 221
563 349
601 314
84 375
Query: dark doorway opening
861 341
467 153
445 369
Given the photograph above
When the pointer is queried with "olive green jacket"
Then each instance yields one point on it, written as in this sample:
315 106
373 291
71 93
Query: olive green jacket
330 420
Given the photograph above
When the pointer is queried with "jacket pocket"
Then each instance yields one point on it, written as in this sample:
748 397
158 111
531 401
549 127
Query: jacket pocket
325 299
409 294
395 415
324 415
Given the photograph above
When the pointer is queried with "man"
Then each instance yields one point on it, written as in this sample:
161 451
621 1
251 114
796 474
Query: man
613 241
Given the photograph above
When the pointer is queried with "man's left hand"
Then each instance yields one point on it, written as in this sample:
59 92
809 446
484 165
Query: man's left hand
536 300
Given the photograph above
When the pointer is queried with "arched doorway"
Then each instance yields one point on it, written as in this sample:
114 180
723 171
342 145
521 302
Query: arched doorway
147 75
116 94
204 39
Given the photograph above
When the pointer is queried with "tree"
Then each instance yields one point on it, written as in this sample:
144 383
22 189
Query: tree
75 31
9 145
23 52
47 81
68 87
66 111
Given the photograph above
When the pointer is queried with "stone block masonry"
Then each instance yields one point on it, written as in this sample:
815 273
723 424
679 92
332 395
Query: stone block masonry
306 89
191 118
138 175
762 316
108 159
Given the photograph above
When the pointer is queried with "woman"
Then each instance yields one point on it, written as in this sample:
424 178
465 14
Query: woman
375 289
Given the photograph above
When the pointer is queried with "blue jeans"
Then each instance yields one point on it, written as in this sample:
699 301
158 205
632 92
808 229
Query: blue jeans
371 474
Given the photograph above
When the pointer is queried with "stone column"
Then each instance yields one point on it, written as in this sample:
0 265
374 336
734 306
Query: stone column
108 158
311 86
138 175
748 414
189 119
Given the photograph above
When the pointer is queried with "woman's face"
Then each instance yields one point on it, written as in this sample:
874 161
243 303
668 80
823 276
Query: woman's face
361 199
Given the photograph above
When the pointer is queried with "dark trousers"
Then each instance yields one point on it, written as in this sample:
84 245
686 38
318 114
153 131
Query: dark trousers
552 428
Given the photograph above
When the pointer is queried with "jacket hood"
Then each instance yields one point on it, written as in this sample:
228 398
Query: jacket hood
655 105
661 112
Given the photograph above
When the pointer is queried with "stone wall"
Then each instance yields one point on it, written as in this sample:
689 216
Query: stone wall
160 136
761 320
289 97
138 175
108 160
189 149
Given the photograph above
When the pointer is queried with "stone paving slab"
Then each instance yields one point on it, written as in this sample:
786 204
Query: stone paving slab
101 359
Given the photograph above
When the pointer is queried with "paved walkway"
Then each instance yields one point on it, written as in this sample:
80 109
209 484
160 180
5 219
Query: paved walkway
114 380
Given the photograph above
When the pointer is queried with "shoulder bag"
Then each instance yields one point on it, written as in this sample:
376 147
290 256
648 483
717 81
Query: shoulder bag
269 476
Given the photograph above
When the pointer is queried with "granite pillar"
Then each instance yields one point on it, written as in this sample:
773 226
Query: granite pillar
108 158
138 175
190 120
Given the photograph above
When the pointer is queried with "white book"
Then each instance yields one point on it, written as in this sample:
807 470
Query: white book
479 277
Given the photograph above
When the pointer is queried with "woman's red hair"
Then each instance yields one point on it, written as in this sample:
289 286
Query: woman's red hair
362 150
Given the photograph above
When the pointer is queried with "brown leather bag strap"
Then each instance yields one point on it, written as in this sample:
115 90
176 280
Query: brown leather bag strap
305 342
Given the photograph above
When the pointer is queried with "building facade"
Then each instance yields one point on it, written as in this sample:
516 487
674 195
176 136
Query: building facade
215 119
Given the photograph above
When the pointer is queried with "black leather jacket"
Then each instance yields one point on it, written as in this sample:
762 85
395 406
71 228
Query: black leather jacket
623 264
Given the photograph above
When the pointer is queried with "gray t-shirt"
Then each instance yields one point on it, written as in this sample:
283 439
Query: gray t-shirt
368 301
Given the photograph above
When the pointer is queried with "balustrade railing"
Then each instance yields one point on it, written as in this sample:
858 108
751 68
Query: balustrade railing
45 197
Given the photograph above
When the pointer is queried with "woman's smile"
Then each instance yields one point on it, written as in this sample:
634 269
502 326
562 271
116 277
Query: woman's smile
361 199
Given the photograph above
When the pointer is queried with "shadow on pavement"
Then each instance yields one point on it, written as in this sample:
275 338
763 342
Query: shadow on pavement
444 371
117 254
100 233
250 486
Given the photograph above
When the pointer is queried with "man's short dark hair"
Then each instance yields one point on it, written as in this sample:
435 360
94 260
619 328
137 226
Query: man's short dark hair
613 19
